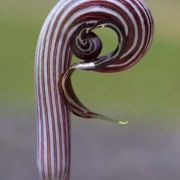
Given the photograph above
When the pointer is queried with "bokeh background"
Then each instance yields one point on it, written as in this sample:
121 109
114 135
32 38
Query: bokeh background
147 96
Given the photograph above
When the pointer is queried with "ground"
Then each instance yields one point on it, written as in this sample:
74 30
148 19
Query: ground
100 150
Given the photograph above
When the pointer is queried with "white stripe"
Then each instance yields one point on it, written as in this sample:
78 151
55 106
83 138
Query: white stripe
133 20
49 109
43 119
145 10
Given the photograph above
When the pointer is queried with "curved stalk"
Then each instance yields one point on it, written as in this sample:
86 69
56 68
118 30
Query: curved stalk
68 30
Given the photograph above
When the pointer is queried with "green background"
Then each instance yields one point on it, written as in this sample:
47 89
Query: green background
151 88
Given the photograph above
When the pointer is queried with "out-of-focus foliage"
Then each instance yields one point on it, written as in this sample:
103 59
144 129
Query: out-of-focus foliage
149 88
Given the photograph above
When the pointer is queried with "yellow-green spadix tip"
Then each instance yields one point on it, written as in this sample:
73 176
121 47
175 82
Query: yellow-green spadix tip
123 122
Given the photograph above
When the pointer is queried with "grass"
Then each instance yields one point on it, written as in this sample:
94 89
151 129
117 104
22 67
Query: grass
151 88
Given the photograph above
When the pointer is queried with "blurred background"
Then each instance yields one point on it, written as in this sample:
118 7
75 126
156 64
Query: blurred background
147 96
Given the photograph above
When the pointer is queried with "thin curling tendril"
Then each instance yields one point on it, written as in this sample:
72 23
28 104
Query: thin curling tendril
74 103
93 45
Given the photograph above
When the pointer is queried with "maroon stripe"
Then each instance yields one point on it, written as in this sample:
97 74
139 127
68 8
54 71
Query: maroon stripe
66 65
39 110
45 106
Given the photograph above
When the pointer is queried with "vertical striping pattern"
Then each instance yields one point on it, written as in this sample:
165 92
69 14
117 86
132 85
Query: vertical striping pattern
68 30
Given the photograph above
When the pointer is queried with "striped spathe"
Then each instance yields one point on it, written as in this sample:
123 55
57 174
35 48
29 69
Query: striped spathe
68 30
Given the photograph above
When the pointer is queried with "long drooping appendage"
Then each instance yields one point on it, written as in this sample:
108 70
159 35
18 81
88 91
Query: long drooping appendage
68 30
